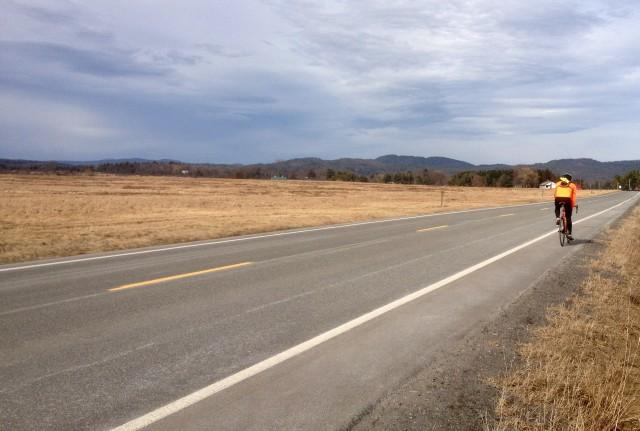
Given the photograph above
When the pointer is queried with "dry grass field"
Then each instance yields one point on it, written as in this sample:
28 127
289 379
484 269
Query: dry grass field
47 215
582 371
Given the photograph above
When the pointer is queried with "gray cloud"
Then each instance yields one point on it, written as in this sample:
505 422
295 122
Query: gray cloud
43 15
251 81
104 64
219 50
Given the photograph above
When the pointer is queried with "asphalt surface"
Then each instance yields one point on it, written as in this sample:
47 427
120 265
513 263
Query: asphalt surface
95 342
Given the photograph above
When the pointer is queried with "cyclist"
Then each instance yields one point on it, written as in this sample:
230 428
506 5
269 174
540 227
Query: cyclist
566 193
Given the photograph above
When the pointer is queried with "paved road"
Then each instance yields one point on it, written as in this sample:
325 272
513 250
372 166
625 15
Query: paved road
99 341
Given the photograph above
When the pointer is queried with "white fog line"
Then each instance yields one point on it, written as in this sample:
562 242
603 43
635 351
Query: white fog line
206 392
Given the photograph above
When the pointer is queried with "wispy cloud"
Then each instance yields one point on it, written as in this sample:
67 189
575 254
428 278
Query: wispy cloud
102 64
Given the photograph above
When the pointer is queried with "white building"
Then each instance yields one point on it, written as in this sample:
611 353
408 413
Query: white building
548 185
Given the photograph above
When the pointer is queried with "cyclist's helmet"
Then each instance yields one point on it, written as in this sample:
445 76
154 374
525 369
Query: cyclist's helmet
566 175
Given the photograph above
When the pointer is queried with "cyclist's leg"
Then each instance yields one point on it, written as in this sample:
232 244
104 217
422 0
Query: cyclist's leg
569 213
558 203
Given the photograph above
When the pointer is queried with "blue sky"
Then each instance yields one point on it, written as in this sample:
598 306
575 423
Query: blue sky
256 81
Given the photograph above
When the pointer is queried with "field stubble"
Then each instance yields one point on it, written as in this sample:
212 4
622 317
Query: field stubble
44 216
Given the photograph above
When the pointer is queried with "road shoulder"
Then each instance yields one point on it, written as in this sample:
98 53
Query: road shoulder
451 392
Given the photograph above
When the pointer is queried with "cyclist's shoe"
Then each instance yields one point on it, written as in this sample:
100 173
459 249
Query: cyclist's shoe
557 221
569 237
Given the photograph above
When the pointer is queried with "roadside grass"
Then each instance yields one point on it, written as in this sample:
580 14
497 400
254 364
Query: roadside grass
45 216
581 371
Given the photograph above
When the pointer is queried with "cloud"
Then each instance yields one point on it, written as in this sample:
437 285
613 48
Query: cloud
250 80
104 64
43 15
51 128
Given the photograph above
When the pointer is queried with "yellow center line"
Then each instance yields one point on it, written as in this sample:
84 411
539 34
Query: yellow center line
506 215
432 228
179 276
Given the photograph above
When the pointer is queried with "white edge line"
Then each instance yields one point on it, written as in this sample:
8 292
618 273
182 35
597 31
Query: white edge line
224 241
201 394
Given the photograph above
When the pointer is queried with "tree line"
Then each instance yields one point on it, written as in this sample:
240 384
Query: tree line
424 177
519 177
522 176
629 181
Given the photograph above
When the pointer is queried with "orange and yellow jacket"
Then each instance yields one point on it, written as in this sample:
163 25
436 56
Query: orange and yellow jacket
567 190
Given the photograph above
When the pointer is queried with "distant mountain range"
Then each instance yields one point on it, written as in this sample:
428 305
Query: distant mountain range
589 170
25 162
103 161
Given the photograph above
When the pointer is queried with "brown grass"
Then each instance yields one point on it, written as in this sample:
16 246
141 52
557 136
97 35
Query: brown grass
47 215
582 370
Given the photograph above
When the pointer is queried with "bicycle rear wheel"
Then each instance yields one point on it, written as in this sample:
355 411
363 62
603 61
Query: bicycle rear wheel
562 231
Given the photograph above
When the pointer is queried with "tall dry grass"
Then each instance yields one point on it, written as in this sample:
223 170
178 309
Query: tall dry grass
47 215
582 371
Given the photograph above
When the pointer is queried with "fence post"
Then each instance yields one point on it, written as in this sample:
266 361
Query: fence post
441 198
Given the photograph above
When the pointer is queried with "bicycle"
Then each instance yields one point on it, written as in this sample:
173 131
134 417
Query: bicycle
562 229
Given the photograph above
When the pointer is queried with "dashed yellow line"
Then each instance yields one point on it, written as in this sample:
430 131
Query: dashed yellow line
432 228
179 276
